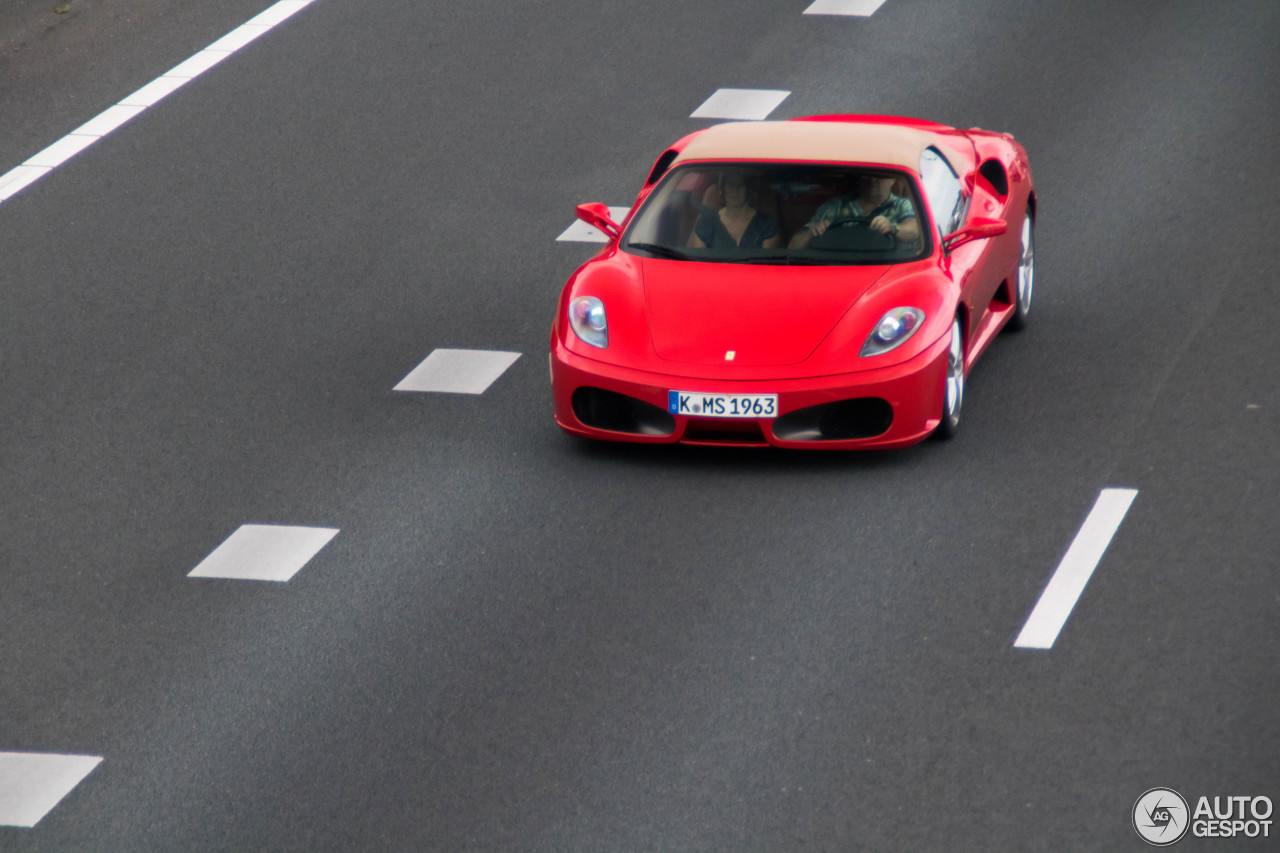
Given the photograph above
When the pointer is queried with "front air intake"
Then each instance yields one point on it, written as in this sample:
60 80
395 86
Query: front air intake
601 409
843 420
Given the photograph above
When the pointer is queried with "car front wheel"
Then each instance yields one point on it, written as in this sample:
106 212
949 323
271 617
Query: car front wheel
1026 275
953 384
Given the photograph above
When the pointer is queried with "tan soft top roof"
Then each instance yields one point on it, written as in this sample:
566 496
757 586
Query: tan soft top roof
810 140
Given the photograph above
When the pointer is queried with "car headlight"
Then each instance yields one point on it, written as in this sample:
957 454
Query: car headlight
893 330
586 317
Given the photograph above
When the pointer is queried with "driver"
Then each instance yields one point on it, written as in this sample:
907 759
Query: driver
872 198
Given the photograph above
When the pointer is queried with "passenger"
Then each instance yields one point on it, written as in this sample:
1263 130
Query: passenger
738 223
891 215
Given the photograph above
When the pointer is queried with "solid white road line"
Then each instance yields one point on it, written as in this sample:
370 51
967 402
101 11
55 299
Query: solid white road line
32 783
91 131
1076 568
860 8
458 371
264 552
581 232
743 104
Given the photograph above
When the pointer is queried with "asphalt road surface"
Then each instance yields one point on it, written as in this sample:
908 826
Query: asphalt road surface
520 641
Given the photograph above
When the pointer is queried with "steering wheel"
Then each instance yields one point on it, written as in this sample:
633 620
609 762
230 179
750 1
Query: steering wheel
876 242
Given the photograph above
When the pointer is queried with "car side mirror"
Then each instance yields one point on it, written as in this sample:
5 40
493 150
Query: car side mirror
977 229
596 215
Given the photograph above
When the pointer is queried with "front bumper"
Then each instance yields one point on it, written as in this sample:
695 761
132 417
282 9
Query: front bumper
902 405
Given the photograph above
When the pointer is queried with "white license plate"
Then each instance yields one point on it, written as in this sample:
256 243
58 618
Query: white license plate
722 405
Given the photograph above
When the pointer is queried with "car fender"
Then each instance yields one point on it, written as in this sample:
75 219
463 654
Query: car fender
615 279
923 287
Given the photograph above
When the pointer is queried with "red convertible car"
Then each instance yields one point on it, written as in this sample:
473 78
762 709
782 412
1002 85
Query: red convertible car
824 282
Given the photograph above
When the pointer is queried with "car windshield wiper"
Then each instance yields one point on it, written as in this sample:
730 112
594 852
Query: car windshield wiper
775 259
660 251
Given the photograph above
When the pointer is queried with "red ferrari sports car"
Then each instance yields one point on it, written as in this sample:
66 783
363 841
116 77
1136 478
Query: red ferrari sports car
825 282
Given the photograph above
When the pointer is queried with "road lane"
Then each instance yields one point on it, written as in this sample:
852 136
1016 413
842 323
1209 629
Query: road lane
131 106
522 642
59 70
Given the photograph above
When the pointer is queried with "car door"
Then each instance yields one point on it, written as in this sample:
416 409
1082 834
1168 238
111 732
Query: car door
977 267
991 199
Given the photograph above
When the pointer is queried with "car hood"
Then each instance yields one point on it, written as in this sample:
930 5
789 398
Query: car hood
763 314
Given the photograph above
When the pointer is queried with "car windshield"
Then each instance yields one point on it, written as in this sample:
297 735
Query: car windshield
780 213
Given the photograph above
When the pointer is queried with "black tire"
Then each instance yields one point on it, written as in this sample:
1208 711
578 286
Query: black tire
1022 289
953 384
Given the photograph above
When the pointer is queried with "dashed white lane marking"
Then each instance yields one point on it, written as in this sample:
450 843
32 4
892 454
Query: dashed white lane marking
264 552
860 8
1076 568
32 783
91 131
581 232
745 104
458 371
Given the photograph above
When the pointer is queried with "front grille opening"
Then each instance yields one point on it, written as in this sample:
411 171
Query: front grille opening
601 409
713 431
863 417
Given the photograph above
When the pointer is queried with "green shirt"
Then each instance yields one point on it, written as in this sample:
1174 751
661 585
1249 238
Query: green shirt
895 208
